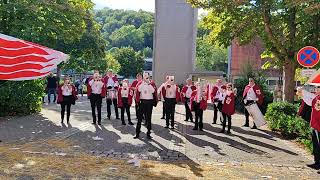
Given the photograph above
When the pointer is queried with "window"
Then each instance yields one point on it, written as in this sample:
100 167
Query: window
272 82
147 66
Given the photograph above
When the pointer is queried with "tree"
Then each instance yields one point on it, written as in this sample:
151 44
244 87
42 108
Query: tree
147 29
283 26
147 52
128 36
112 63
131 62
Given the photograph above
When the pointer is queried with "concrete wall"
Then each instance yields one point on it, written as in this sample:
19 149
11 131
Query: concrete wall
174 40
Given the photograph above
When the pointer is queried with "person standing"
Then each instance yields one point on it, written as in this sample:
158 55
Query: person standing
125 95
185 97
96 92
67 95
277 94
162 97
228 107
146 97
112 84
216 98
313 100
171 94
252 94
52 84
198 101
134 88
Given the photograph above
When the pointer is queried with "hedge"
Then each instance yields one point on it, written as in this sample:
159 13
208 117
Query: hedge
281 117
20 97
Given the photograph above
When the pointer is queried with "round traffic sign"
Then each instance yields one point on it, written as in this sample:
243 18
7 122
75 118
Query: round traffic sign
308 56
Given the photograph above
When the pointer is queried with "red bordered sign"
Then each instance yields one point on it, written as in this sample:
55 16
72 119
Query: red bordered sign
308 56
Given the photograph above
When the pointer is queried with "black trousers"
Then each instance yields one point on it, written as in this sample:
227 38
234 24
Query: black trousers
126 108
316 145
67 100
145 108
170 104
96 101
225 116
115 105
188 111
199 116
164 109
246 113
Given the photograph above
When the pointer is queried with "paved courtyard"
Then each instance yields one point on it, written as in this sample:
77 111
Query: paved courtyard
259 148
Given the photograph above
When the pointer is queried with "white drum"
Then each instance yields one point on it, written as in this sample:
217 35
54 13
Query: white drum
256 114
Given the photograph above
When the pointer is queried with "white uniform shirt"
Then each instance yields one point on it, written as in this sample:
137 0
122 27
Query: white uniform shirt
96 86
171 92
188 92
66 91
221 96
110 82
125 92
218 94
146 91
251 95
308 97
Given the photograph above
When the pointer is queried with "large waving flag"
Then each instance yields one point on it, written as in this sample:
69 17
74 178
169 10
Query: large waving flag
22 60
315 79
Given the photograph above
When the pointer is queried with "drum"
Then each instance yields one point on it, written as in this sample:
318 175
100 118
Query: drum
256 114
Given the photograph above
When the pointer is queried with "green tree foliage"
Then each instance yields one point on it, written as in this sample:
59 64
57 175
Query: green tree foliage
112 63
123 28
147 52
128 36
52 23
131 62
283 26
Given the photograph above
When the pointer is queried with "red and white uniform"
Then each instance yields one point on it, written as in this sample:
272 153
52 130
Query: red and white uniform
198 97
112 82
313 101
125 92
253 93
146 91
66 91
228 103
186 92
171 91
96 87
216 92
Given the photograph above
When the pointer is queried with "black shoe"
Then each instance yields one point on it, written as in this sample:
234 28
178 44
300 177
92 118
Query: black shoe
172 128
228 132
245 125
195 129
123 123
94 123
254 127
186 120
162 118
149 137
61 121
315 166
108 117
200 129
166 127
136 137
191 120
222 131
117 118
214 123
131 123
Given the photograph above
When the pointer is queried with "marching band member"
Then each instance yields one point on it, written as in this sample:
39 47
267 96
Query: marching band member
125 95
185 97
313 100
96 92
198 103
67 95
134 88
112 83
251 94
146 98
228 107
171 94
162 98
216 98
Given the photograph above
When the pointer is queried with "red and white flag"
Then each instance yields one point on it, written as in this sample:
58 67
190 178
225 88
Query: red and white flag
22 60
315 79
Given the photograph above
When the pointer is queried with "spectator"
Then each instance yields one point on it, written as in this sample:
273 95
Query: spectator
52 84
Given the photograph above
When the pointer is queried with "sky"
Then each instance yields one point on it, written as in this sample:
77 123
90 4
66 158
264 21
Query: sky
147 5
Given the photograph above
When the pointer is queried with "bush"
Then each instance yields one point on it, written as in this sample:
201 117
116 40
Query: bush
281 116
20 97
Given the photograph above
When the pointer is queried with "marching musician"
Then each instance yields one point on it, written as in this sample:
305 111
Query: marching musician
134 88
313 100
199 104
171 94
112 83
216 98
96 92
185 97
125 95
162 97
228 107
252 94
146 97
67 95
